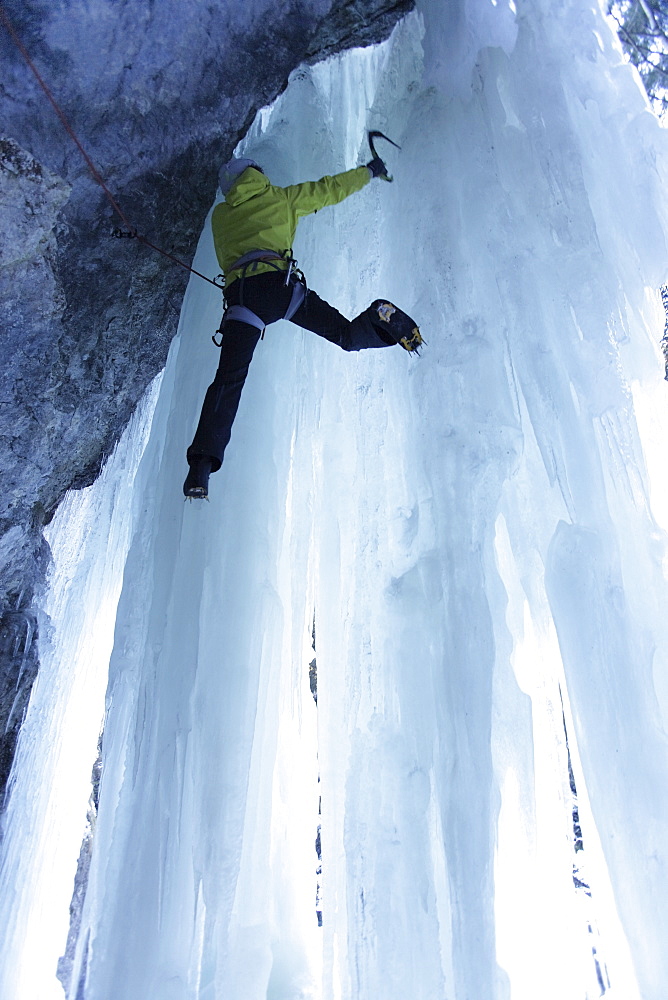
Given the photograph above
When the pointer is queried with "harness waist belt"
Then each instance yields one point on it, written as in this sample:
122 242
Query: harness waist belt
258 257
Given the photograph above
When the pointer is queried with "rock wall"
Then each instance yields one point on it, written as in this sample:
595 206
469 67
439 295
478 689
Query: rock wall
159 94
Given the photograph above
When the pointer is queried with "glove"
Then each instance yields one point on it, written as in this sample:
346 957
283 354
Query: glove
377 167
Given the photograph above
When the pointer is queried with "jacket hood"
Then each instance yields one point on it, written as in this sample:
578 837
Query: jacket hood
250 183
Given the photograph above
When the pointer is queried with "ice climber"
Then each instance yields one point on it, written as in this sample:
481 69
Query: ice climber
253 232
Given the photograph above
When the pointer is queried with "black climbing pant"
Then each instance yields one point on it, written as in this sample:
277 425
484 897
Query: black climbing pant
268 297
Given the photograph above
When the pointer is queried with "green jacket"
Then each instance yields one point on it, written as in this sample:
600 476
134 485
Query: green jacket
258 216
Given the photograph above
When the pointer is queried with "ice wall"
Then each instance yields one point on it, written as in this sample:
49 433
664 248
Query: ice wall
474 532
51 781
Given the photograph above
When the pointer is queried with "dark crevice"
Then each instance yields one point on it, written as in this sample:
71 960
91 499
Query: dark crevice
66 964
580 880
313 680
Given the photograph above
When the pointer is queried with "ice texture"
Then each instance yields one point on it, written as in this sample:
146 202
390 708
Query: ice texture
480 534
50 784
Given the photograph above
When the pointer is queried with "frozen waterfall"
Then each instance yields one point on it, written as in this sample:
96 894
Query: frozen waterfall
479 534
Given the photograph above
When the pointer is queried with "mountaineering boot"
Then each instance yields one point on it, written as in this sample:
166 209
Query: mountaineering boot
391 320
196 486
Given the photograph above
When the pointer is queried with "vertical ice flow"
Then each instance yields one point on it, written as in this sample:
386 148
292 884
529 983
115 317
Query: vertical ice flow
51 780
480 533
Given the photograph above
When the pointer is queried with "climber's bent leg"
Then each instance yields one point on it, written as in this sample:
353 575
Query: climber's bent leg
319 317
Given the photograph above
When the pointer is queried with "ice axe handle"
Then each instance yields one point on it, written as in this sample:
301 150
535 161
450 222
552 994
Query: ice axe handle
380 135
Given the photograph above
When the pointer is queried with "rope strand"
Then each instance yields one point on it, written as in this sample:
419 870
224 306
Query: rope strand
91 166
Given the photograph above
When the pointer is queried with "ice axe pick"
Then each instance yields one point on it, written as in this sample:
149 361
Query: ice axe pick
379 135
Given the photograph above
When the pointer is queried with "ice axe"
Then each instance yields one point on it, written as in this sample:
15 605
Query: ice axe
379 135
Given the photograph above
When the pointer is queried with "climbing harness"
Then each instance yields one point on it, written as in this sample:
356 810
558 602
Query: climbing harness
129 231
250 261
380 135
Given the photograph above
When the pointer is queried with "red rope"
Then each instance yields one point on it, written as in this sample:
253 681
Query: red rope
91 166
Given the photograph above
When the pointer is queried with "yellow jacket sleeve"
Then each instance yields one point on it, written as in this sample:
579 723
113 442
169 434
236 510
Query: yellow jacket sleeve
312 195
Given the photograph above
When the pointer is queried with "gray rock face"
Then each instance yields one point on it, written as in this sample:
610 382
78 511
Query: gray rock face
158 93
